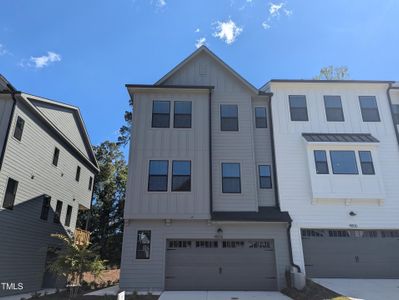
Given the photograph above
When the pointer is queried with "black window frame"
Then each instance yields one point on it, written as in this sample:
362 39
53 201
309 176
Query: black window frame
336 113
224 120
56 156
68 216
19 128
182 116
46 204
155 115
77 175
143 251
356 172
10 193
180 176
366 165
321 162
224 178
266 179
58 212
261 122
365 110
150 176
90 183
295 110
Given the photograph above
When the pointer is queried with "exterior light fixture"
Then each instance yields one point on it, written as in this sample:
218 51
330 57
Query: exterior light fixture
352 214
219 233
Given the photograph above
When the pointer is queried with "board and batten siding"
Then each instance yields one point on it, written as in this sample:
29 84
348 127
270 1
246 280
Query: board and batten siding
149 274
25 237
6 104
169 144
295 186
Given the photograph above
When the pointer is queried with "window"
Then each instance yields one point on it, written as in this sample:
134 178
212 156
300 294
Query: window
19 128
369 108
343 162
228 117
158 176
77 177
90 183
45 207
160 114
395 111
231 181
320 159
298 109
57 213
68 216
366 162
11 192
56 155
333 106
260 117
181 180
182 117
143 246
265 177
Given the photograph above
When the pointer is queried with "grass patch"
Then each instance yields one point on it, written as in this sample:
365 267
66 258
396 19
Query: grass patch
313 291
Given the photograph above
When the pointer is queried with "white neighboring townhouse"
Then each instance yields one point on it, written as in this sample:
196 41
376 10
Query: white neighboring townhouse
202 211
337 161
47 170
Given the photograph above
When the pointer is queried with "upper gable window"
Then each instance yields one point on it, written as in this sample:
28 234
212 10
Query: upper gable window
77 176
333 106
229 117
369 108
395 110
160 114
19 128
182 114
90 183
260 117
56 155
298 108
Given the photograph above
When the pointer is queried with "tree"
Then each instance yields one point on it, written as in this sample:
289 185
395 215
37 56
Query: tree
333 73
124 131
73 261
106 214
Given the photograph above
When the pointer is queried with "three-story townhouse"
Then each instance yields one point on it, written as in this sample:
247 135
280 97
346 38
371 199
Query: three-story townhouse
47 170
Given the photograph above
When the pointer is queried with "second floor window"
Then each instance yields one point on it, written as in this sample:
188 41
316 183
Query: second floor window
395 110
160 114
231 178
181 180
333 106
11 192
320 158
366 163
77 176
56 155
158 176
343 162
298 108
265 177
228 117
182 115
68 216
260 117
45 207
19 128
90 183
57 213
369 108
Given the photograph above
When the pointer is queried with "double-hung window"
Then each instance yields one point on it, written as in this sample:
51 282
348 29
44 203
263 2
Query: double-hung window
320 158
182 114
369 108
19 128
333 106
231 178
260 117
265 177
158 176
181 179
160 114
298 108
343 162
229 117
366 163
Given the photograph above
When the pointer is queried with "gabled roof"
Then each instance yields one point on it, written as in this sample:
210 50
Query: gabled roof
204 49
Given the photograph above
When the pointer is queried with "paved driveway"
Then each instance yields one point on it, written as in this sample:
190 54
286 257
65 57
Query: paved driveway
367 289
203 295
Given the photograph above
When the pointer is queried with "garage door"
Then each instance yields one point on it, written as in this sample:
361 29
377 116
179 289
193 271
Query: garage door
220 265
351 253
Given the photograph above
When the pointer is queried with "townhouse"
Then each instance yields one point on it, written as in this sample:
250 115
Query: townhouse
47 170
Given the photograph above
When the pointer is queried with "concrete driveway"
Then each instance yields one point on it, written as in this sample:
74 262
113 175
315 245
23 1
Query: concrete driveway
204 295
367 289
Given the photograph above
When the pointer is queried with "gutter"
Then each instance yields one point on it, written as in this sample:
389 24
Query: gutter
290 247
390 87
210 154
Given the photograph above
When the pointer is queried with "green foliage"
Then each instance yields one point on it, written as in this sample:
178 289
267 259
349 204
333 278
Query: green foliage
124 131
333 73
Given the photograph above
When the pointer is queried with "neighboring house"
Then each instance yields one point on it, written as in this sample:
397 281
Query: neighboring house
202 212
337 160
47 170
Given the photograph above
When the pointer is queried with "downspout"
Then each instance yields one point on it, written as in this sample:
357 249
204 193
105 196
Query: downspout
276 193
390 87
210 153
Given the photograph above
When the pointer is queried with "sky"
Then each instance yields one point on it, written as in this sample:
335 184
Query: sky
84 52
